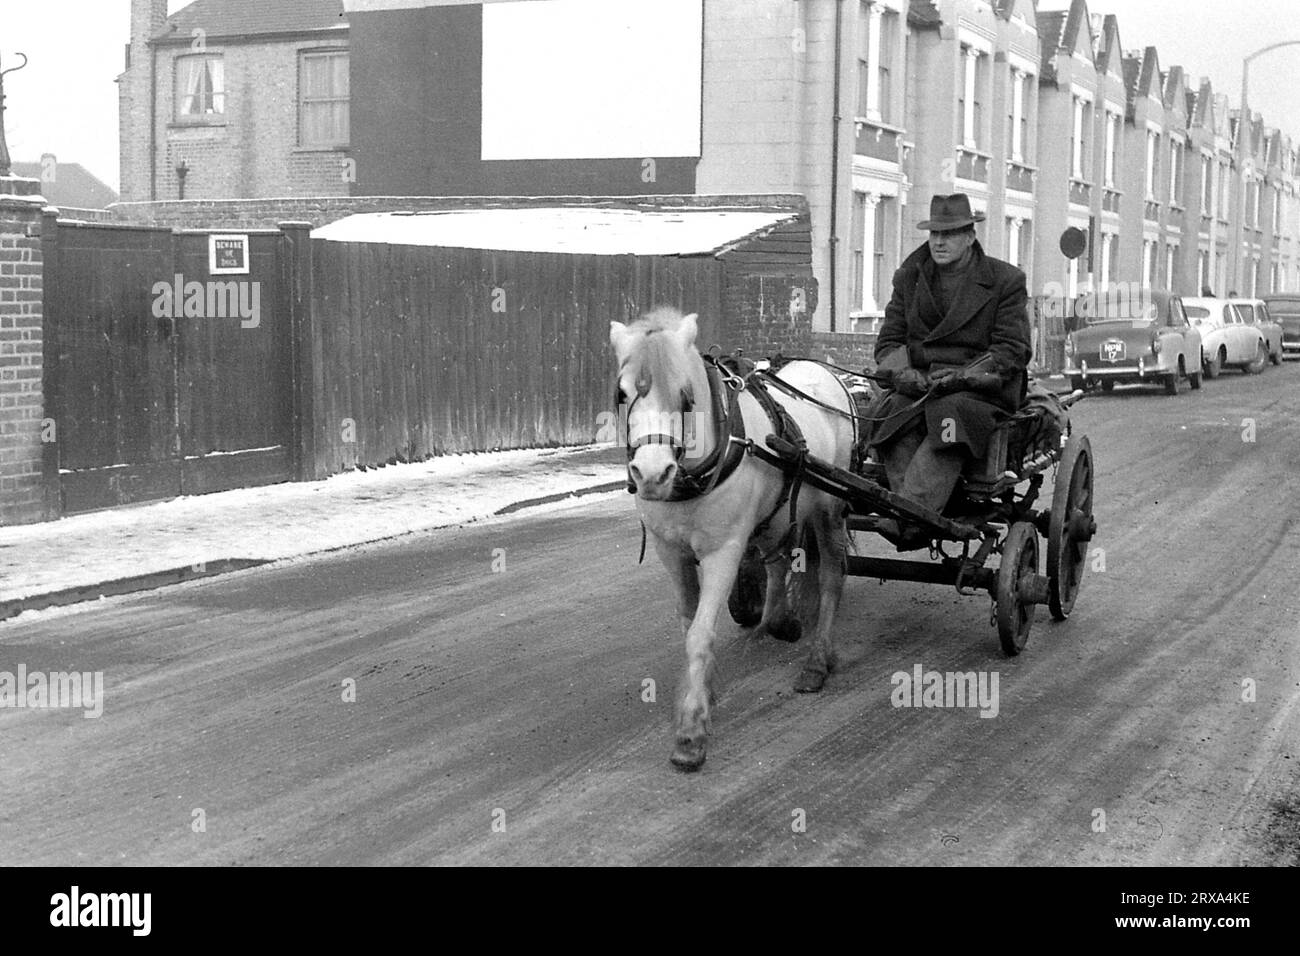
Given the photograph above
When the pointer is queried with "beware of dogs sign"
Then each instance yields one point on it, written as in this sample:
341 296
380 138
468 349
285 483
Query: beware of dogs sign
227 255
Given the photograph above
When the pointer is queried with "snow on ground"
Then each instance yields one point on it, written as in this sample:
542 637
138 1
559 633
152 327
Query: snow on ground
292 519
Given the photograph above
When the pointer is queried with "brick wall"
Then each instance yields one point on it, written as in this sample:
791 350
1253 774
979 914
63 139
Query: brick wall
251 150
759 317
847 349
22 486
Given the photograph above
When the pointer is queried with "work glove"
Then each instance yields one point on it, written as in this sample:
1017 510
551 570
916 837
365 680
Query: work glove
911 383
982 381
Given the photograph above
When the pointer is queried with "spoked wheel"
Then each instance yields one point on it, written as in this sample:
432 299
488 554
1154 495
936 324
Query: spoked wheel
1071 527
1015 612
750 590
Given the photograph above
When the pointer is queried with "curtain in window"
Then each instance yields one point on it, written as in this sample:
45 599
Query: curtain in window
189 80
200 85
325 92
216 77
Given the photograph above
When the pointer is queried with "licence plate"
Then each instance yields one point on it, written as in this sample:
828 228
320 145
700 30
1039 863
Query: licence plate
1111 351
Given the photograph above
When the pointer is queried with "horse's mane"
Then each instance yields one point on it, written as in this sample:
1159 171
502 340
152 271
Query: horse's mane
658 354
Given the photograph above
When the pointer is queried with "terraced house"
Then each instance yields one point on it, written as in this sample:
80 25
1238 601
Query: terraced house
865 107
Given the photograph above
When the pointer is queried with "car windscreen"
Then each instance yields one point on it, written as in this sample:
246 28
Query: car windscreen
1287 307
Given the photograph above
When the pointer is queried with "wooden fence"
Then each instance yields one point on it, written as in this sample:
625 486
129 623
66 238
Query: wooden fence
428 351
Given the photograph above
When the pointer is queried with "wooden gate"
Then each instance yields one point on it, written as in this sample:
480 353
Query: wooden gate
154 394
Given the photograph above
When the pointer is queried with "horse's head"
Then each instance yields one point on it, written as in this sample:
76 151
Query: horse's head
656 357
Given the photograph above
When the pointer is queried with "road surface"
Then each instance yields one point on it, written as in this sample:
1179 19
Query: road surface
478 695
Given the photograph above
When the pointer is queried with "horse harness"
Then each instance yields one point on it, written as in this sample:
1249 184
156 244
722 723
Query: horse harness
728 376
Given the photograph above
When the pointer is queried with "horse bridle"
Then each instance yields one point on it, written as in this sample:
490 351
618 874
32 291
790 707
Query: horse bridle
677 445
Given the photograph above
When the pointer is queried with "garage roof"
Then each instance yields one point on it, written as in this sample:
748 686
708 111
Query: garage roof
567 229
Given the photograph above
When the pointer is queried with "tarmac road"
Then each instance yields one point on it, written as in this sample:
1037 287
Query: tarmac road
498 713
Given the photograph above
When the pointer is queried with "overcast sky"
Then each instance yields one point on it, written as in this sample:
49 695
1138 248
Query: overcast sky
65 101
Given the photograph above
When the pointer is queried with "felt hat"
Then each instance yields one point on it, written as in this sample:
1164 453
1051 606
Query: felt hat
950 212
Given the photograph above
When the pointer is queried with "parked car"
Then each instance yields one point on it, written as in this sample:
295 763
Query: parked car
1142 339
1226 339
1254 312
1284 307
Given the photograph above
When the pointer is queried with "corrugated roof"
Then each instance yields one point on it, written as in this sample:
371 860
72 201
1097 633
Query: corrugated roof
242 17
73 185
576 230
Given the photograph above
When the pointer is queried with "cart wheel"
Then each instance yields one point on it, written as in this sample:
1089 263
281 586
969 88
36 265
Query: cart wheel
1071 526
1019 560
748 593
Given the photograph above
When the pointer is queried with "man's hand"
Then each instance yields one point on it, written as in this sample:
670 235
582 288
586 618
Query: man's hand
911 383
949 380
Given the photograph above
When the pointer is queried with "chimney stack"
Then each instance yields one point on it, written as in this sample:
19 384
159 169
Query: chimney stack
135 102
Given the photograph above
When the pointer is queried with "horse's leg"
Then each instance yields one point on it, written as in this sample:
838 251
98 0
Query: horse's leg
777 617
694 707
686 581
832 543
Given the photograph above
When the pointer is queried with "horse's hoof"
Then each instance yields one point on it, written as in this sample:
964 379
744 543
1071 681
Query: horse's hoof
788 629
810 681
688 755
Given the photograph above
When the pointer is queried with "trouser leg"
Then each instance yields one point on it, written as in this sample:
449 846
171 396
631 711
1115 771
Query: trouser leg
932 474
898 454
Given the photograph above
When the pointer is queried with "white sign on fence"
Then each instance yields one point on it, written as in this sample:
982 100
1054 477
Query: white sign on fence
228 255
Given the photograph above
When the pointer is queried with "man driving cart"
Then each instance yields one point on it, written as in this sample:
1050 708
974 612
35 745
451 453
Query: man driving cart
953 352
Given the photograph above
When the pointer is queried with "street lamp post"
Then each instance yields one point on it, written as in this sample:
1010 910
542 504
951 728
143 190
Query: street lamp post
4 147
1242 130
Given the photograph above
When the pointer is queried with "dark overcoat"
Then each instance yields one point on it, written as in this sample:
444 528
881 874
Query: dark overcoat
987 316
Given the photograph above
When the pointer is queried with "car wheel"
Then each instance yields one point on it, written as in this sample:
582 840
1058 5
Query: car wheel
1076 383
1215 365
1194 380
1276 357
1256 366
1108 385
1173 381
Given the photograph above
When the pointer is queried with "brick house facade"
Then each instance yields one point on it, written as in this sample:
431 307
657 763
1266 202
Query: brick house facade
236 98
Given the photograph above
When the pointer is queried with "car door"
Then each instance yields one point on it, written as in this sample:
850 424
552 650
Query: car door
1239 349
1251 340
1188 336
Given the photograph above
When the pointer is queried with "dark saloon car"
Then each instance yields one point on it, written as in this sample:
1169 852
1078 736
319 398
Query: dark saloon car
1132 336
1284 307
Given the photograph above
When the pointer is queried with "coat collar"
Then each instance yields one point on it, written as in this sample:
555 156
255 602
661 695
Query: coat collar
980 282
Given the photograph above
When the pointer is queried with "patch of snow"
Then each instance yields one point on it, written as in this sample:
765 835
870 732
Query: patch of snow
578 229
273 522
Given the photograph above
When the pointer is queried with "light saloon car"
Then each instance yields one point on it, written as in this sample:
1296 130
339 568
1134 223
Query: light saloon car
1254 312
1226 340
1284 307
1143 339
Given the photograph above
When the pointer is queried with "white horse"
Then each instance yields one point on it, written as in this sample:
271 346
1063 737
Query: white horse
702 540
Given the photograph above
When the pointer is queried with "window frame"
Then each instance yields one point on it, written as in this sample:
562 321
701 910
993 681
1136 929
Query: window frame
216 116
303 102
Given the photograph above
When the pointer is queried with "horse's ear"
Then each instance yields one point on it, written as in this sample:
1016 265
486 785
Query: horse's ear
617 336
689 329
